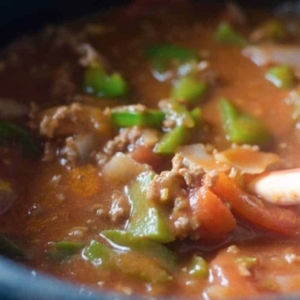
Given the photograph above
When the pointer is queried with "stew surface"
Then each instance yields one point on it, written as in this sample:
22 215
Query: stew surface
155 150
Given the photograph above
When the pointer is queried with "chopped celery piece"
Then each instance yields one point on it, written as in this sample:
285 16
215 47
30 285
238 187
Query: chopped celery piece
63 250
162 255
282 76
168 144
162 55
227 35
128 262
189 89
10 131
99 83
241 128
198 267
147 219
147 118
9 249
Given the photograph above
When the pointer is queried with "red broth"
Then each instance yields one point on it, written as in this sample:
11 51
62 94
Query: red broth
134 147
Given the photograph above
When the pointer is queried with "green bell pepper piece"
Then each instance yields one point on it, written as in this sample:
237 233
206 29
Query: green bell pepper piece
162 55
227 35
168 144
198 267
161 254
63 250
128 262
241 128
272 30
147 219
99 83
148 118
9 249
189 89
282 76
10 131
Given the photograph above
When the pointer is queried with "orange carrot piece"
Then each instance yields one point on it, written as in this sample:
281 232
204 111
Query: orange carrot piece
280 220
214 216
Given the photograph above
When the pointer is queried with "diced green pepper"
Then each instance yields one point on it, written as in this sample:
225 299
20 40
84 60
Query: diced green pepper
189 89
272 30
162 55
282 76
171 140
9 249
99 83
227 35
179 114
241 128
197 116
147 219
63 250
128 262
198 267
147 118
10 131
162 255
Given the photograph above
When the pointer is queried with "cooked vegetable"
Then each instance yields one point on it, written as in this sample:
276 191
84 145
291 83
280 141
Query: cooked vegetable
147 219
128 118
161 254
280 220
10 249
198 267
241 128
7 196
272 30
129 262
281 76
12 132
164 54
227 35
99 83
189 90
172 140
63 250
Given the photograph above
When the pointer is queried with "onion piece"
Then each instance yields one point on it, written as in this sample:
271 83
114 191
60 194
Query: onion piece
197 154
122 169
247 160
274 54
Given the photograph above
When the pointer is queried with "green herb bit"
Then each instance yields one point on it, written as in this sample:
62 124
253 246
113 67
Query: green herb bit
147 219
189 89
198 267
147 118
127 262
99 83
282 76
241 128
64 250
10 131
162 55
227 35
9 249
